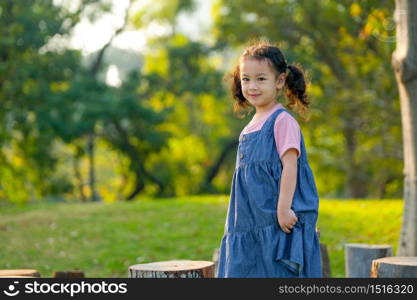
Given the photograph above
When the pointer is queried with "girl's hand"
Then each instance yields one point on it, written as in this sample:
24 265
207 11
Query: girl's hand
286 219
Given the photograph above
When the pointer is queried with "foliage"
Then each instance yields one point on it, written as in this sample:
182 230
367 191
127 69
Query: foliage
31 84
168 129
189 86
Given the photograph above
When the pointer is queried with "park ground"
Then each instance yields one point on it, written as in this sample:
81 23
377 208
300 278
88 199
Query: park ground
103 240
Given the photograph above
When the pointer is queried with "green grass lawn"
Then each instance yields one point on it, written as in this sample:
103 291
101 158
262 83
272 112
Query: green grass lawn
103 240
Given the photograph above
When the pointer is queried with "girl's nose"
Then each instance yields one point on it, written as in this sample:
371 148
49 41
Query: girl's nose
252 85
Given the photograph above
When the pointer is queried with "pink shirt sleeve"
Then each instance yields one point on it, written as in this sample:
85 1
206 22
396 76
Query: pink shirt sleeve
287 134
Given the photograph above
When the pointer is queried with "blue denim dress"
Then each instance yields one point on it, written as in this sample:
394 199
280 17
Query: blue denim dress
253 244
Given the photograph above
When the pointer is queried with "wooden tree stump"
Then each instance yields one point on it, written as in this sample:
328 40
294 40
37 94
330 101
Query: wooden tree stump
68 274
19 273
395 266
325 261
359 257
173 269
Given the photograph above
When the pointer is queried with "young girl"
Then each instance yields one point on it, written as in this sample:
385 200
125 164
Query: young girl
273 208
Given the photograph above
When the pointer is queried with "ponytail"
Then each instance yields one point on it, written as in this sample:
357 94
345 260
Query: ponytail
295 91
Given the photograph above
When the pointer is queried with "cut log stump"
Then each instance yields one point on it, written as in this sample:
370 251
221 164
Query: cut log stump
68 274
325 261
19 273
359 257
173 269
395 267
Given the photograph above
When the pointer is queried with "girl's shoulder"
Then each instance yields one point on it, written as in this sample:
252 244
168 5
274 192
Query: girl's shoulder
286 118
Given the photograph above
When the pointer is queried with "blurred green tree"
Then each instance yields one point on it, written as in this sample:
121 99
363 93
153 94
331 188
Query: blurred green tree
171 121
32 80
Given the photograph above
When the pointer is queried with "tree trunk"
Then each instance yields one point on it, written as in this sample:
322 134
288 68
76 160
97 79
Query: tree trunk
173 269
139 186
140 174
404 61
78 177
92 174
382 186
136 164
215 168
356 187
94 68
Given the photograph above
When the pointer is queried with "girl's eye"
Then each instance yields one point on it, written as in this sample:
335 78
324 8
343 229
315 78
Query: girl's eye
262 78
245 79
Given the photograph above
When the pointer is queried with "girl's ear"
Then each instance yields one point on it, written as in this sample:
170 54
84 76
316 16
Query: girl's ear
281 81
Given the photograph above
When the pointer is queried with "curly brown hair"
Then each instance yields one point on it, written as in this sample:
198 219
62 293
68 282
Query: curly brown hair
295 83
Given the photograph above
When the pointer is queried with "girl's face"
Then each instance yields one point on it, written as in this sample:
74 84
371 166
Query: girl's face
260 84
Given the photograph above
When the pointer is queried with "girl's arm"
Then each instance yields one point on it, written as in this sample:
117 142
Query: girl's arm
286 216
